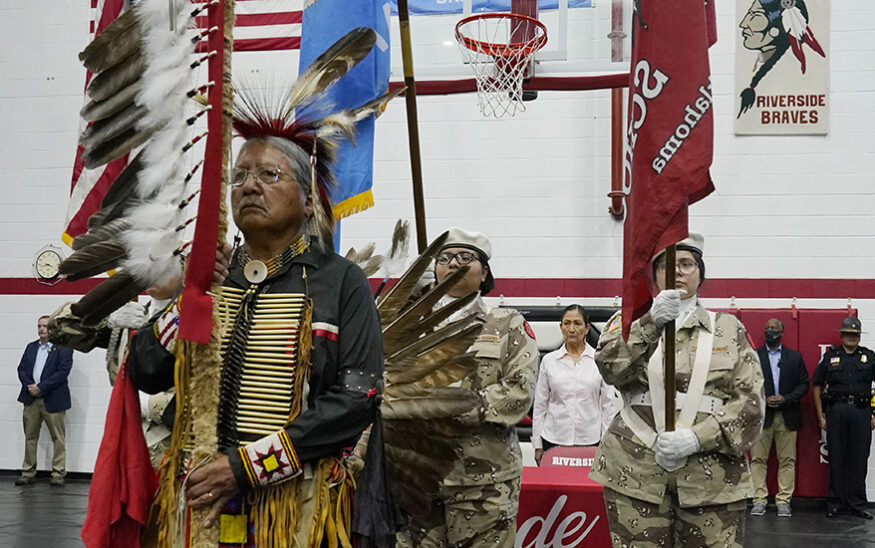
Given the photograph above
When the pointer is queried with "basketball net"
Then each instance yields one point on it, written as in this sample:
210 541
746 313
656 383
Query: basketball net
499 47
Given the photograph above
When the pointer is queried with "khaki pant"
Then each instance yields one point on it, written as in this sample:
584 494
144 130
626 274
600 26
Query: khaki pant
785 448
33 417
640 524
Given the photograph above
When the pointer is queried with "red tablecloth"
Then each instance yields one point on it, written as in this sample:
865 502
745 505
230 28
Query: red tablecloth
561 507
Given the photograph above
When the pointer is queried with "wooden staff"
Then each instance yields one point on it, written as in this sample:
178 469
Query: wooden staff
412 125
669 353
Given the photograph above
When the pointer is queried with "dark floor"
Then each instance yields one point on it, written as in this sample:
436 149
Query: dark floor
40 516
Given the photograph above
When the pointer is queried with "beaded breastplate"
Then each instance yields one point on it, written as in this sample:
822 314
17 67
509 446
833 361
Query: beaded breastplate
262 382
260 344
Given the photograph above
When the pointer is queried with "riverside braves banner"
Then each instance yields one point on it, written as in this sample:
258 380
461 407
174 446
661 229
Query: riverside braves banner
670 134
782 67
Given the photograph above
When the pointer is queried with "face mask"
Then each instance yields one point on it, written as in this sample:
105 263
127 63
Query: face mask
773 337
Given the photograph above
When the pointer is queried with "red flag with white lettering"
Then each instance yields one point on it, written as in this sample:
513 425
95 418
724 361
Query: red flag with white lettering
670 134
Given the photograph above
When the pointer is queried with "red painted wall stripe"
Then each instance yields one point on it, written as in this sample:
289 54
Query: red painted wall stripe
761 288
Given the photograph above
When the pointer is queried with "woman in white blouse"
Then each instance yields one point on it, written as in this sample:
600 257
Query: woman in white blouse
573 405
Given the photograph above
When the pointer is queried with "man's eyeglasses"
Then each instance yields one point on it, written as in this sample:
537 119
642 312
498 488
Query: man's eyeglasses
462 257
265 175
684 266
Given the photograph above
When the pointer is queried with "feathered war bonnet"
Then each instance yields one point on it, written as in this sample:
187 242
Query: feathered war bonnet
304 118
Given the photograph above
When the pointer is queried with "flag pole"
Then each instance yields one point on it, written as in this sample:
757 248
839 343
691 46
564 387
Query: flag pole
669 353
412 125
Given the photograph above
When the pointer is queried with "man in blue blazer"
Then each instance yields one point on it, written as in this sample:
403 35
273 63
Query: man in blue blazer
786 381
43 373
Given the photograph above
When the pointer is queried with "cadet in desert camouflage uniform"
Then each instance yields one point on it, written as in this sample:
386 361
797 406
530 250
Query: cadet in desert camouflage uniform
687 487
480 497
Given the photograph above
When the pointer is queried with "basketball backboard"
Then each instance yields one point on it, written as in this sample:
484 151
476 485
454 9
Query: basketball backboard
579 37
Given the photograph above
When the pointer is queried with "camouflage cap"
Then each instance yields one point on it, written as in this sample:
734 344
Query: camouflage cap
459 237
693 242
477 241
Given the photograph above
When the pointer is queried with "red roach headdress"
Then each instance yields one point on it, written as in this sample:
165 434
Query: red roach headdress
305 118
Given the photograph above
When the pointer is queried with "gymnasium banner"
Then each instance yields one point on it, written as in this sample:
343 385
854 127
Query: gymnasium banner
782 67
436 7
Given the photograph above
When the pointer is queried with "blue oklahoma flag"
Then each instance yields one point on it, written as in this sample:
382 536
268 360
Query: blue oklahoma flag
324 22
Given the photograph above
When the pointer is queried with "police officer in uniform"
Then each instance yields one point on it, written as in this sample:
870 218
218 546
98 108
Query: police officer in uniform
842 397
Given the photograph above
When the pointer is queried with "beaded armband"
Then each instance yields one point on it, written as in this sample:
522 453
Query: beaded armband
270 460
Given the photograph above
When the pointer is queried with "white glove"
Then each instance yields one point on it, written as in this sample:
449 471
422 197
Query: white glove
673 448
144 405
131 316
666 307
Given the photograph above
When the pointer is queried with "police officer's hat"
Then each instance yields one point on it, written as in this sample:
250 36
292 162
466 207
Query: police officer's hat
851 325
475 241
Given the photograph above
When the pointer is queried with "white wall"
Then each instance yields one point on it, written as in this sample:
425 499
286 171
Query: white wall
785 207
89 390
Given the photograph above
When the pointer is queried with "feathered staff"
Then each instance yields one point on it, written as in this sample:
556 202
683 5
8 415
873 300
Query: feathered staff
140 95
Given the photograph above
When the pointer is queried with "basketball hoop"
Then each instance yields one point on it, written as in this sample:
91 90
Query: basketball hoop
499 47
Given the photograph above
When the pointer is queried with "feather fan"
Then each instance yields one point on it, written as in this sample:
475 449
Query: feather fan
365 259
393 264
398 295
426 356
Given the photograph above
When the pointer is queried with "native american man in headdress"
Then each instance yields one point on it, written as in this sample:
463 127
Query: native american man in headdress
301 343
261 419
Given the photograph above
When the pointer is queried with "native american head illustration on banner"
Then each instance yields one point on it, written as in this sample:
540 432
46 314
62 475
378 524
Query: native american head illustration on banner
782 73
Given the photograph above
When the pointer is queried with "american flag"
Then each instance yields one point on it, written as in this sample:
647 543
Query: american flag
260 25
266 25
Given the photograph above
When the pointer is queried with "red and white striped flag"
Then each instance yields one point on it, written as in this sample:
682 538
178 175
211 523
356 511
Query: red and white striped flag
260 25
266 25
89 185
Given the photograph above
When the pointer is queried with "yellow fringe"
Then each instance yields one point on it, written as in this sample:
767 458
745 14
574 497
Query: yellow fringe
305 347
275 511
355 204
332 518
323 502
164 508
345 487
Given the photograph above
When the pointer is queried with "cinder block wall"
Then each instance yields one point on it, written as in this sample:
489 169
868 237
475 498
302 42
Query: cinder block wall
786 208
